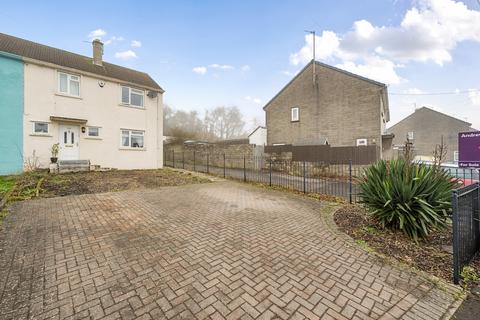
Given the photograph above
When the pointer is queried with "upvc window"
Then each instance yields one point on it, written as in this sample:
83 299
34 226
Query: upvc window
132 138
410 135
455 156
93 132
69 84
295 114
40 128
133 97
362 142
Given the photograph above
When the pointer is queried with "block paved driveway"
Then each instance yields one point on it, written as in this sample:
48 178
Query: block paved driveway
221 250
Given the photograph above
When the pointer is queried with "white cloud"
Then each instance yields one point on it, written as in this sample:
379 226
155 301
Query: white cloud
288 73
474 96
114 39
374 68
253 99
429 31
97 34
136 43
200 70
221 66
126 55
245 68
325 47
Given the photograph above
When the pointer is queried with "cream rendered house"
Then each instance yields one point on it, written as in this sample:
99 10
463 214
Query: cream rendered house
96 111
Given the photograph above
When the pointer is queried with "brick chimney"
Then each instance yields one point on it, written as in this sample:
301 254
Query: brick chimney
97 52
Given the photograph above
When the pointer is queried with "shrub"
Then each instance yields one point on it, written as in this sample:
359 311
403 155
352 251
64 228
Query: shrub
414 198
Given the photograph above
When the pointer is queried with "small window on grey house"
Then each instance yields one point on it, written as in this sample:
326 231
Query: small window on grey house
295 114
410 135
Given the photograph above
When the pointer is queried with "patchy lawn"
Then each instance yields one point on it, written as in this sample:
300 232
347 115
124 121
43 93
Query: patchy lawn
44 185
433 255
6 185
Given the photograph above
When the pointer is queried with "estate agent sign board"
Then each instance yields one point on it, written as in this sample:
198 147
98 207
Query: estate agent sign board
469 149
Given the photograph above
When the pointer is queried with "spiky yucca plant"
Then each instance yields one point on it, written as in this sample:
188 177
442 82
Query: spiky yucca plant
414 198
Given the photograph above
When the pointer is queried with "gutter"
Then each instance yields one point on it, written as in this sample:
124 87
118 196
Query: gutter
93 75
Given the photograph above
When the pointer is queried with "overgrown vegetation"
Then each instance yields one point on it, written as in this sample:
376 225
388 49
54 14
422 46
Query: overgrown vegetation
6 184
40 183
411 197
432 254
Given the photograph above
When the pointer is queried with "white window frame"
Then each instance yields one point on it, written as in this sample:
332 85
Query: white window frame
410 135
362 142
93 137
129 103
456 156
297 118
40 133
130 139
69 78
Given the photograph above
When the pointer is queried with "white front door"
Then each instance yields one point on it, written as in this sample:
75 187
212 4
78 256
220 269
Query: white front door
68 136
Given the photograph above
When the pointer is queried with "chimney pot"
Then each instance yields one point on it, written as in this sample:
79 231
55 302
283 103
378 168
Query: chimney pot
97 52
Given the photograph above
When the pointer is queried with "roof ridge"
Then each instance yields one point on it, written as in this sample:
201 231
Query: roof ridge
42 52
68 52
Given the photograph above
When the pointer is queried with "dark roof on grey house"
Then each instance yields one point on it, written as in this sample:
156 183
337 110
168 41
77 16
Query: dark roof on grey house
36 51
434 113
382 85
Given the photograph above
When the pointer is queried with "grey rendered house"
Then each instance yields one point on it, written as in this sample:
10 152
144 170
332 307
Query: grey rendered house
425 128
323 104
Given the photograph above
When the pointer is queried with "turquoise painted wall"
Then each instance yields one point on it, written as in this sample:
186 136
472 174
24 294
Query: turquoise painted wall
11 114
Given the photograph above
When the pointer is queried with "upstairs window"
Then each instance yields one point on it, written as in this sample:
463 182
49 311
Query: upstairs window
132 97
410 135
295 114
69 84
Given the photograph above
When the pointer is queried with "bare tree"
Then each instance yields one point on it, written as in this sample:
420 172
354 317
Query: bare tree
408 150
224 123
219 123
440 152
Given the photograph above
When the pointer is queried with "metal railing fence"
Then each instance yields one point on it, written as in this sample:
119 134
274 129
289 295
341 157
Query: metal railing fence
305 176
466 227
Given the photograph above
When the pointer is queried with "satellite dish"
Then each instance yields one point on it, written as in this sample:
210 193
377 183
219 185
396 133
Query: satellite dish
151 94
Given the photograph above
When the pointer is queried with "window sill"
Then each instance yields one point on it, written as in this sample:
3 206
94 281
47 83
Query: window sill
131 106
40 135
93 138
293 121
68 96
132 149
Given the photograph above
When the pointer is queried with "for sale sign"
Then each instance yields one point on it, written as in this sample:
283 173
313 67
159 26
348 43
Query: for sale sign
469 149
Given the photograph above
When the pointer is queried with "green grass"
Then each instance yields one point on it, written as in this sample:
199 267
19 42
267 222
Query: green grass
6 184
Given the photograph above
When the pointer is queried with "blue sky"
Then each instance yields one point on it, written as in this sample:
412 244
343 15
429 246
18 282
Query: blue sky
211 53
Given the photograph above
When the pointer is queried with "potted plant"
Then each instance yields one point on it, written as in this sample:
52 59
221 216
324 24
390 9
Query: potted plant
54 150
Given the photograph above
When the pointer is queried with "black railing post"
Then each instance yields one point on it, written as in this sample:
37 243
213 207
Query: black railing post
350 186
456 248
244 170
208 160
183 159
270 171
224 165
304 179
173 158
193 160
